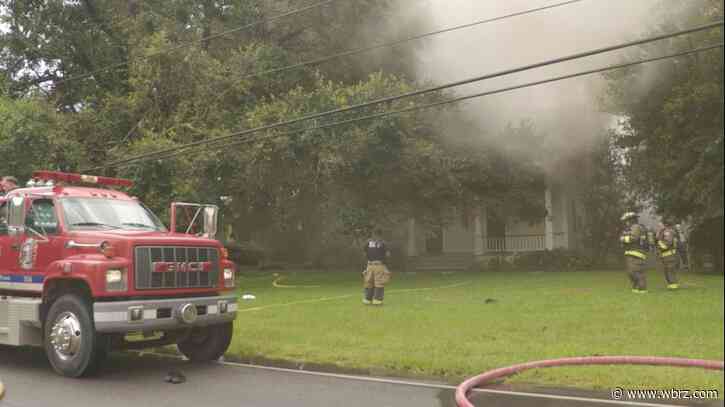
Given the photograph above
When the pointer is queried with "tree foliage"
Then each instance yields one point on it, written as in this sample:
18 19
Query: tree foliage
672 119
604 198
31 136
297 189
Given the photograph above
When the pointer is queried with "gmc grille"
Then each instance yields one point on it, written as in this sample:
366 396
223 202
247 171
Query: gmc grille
168 267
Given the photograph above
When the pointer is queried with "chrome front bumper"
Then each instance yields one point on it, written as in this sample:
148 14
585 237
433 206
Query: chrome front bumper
157 315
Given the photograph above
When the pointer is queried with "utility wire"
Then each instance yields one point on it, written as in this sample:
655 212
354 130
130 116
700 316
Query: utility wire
361 50
442 103
286 14
390 99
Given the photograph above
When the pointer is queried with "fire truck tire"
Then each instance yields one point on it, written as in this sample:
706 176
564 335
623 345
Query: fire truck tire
207 343
71 344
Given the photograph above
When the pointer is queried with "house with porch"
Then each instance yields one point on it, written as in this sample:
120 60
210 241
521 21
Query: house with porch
483 235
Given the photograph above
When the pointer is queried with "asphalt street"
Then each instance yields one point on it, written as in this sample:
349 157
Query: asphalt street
133 380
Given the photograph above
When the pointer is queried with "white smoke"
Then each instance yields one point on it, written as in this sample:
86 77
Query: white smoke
568 111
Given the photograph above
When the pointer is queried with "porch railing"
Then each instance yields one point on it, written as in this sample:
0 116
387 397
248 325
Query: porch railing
516 243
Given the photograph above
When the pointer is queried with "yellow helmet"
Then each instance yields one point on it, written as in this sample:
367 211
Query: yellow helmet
628 215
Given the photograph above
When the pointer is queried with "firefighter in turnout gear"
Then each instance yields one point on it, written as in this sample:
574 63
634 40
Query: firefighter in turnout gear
667 243
651 240
635 242
376 274
682 247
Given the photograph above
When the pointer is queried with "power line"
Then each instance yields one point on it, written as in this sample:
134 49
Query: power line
286 14
361 50
445 102
390 99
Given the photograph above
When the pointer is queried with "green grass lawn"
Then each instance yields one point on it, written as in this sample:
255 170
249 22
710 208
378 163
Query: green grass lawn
451 332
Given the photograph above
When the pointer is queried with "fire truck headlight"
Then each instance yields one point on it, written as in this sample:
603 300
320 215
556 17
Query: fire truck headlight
229 278
116 280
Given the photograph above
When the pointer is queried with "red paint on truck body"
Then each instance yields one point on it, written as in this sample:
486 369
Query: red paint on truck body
55 260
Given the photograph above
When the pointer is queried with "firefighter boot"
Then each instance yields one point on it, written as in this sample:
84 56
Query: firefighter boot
641 282
367 296
633 281
379 294
671 276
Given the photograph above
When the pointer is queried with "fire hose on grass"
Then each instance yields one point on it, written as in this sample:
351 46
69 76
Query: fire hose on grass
277 283
487 377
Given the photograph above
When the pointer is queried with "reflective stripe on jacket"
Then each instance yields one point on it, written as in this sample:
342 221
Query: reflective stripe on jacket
636 253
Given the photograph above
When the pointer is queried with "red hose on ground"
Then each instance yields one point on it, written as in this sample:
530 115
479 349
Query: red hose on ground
468 385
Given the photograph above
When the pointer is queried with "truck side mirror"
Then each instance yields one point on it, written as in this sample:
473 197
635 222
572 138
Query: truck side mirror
17 213
203 218
211 213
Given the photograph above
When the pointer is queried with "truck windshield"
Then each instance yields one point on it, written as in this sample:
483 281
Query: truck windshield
89 213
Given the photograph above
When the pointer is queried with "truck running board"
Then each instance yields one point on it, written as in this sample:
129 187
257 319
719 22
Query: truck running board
20 321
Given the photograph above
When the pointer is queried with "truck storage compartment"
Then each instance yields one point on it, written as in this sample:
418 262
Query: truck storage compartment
20 321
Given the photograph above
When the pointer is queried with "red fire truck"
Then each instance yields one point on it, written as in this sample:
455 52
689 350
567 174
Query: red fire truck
88 269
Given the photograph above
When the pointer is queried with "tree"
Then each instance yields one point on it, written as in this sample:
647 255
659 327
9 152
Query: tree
604 198
672 120
28 140
298 193
672 127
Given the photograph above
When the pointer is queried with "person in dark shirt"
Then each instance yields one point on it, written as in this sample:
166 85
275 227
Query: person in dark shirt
682 247
376 274
7 184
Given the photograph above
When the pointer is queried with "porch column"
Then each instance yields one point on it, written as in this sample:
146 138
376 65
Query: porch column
484 239
477 235
411 238
548 221
564 237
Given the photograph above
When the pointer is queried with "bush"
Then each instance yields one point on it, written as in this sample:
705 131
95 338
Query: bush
337 254
342 254
706 246
246 253
498 263
554 260
550 260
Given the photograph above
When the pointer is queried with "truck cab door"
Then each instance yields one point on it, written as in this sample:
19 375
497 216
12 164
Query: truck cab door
11 237
27 244
5 253
42 226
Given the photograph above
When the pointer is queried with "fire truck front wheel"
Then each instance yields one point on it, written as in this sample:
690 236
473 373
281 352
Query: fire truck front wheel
71 344
207 343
